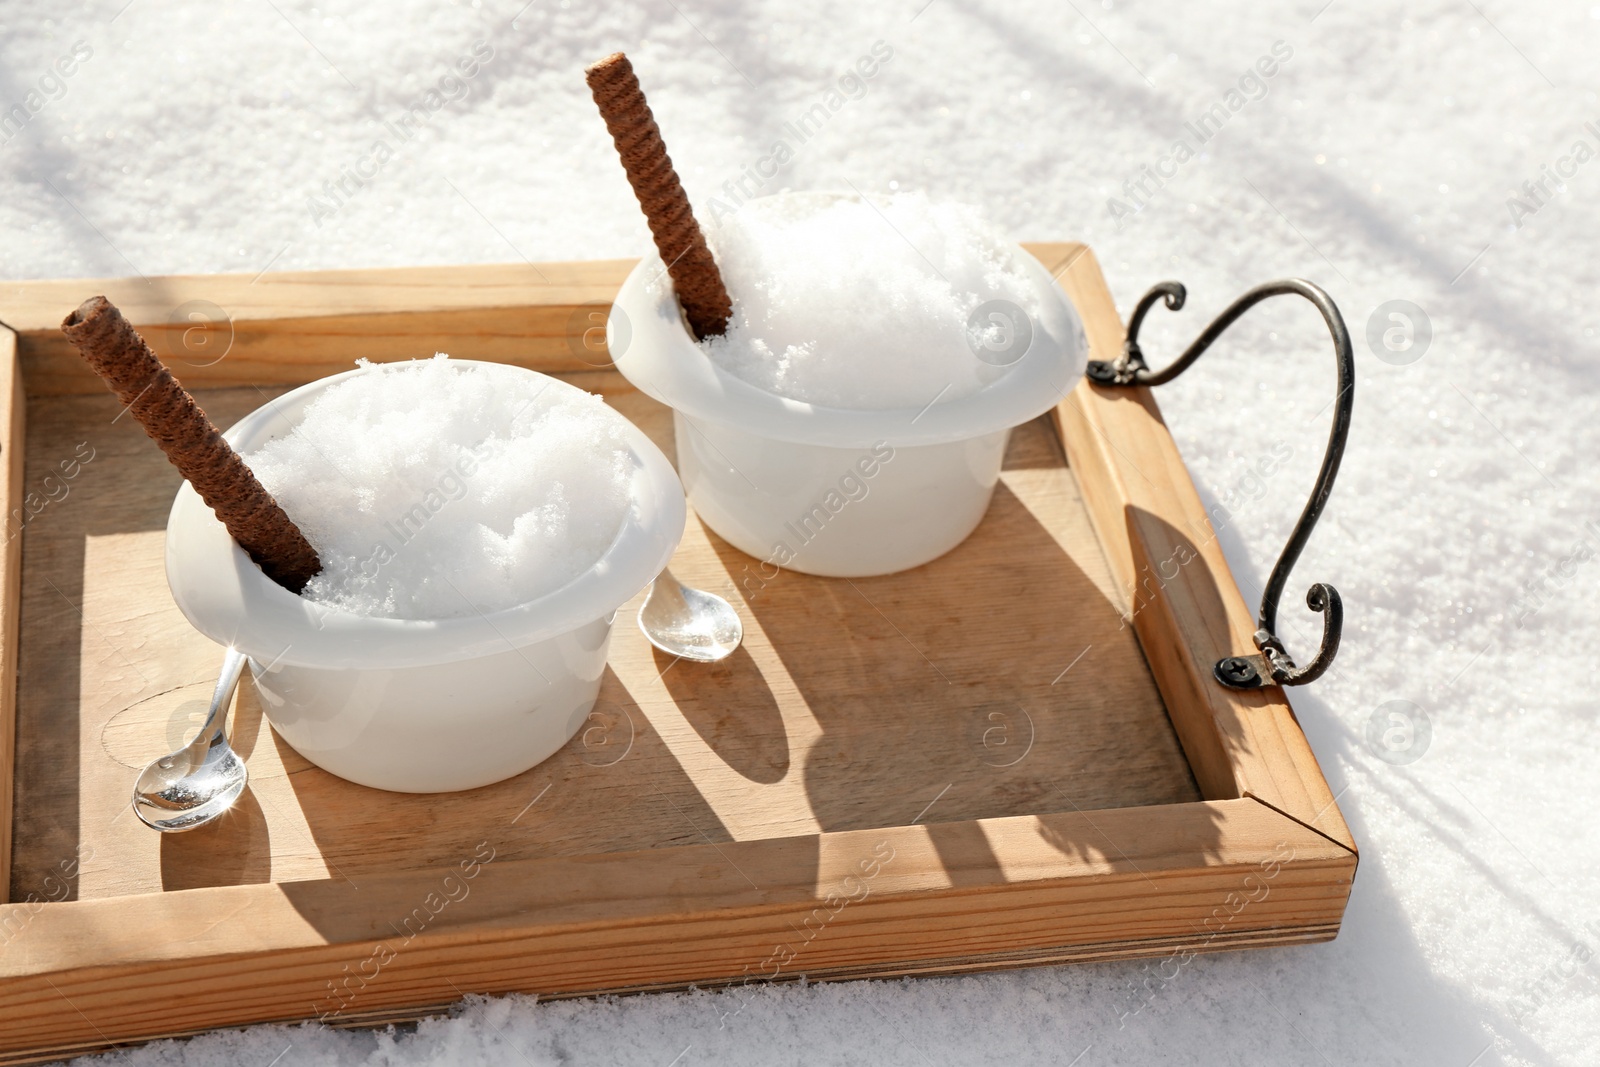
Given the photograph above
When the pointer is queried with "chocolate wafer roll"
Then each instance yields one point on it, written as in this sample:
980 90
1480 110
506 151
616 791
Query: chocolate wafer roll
666 207
110 345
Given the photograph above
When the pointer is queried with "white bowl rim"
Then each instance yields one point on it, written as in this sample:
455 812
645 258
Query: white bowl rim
663 361
227 597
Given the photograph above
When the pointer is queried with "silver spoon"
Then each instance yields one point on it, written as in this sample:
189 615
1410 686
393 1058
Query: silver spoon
689 622
199 782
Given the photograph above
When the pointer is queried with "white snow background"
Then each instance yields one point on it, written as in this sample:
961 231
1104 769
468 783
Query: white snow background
1379 164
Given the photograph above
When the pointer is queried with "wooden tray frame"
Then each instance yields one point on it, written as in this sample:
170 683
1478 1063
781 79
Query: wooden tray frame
1264 859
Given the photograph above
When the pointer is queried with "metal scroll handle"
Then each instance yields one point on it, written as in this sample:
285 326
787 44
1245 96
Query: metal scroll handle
1250 672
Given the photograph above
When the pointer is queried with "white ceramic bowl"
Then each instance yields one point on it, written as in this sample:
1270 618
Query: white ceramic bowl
840 492
419 706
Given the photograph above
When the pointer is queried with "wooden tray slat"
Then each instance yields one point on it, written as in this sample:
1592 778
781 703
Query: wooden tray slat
294 327
13 406
943 899
1177 587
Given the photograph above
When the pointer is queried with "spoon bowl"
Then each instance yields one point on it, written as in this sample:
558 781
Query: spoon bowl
688 622
194 785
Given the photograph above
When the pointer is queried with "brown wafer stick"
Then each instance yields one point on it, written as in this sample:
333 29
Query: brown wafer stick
110 345
666 207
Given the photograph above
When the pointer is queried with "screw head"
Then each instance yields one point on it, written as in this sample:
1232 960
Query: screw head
1101 371
1237 672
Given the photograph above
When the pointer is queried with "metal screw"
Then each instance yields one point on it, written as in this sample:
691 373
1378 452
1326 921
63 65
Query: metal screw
1238 672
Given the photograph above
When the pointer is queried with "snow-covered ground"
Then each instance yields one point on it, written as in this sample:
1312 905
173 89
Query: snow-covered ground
1377 160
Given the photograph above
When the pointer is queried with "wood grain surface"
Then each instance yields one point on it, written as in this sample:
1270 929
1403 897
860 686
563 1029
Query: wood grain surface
851 704
924 899
984 762
1175 582
238 329
14 508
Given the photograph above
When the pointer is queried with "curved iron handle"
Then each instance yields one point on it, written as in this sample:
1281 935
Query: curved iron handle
1245 672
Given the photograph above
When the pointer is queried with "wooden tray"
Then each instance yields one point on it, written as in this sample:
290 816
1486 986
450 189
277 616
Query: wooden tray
1014 755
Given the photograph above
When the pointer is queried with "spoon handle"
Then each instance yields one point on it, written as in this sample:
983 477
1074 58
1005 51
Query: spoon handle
670 590
217 716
